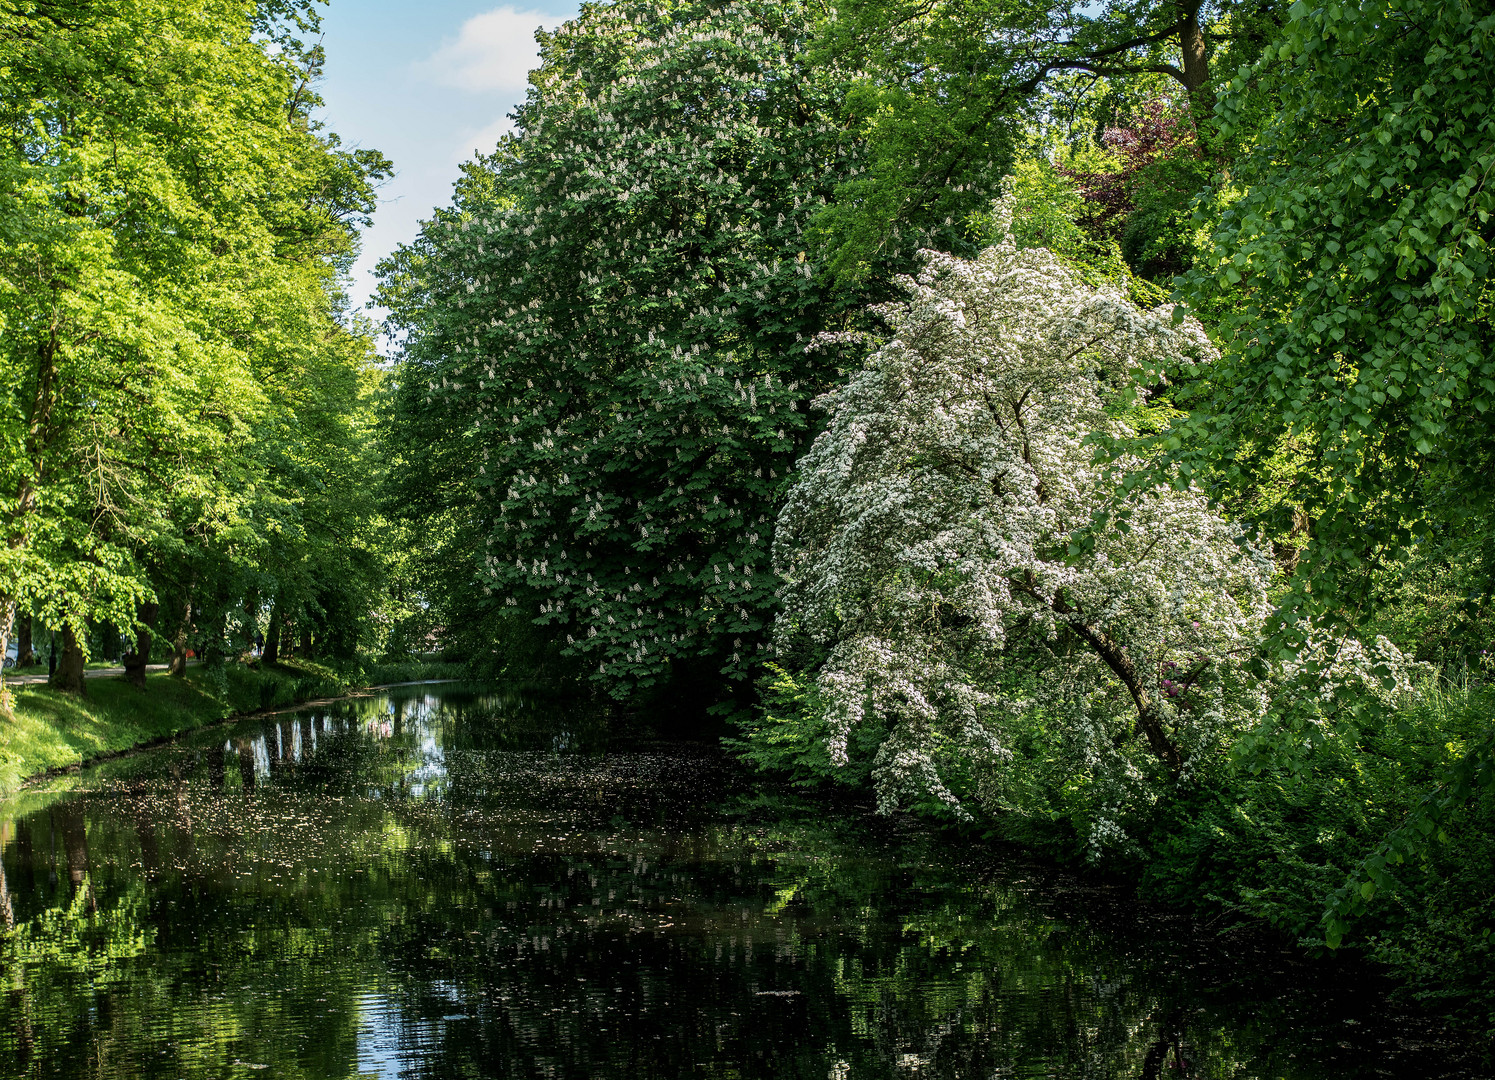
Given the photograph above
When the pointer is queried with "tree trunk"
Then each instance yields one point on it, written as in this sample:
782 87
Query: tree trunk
271 655
38 433
25 656
251 621
69 674
1196 67
136 661
215 648
179 642
305 650
1120 662
7 620
1191 44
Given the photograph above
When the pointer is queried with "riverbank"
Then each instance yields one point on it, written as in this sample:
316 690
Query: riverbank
52 730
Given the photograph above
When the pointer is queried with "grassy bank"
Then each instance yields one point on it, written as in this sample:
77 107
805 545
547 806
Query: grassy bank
51 729
386 673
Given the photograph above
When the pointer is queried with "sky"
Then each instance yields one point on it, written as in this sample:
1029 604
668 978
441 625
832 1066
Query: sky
427 83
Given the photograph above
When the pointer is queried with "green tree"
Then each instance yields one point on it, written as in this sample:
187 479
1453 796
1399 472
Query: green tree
1351 280
173 226
606 367
947 89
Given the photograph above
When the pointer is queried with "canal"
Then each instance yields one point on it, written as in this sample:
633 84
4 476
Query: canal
439 881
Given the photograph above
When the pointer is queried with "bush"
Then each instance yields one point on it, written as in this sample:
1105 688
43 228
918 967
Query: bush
1282 837
389 672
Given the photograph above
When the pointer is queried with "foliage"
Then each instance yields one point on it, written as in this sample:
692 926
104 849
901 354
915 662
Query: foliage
1372 831
1436 603
1458 784
1145 205
1047 207
603 379
609 339
408 671
947 92
926 543
789 735
1351 280
174 228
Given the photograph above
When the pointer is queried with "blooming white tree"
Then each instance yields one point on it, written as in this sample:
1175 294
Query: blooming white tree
600 375
928 554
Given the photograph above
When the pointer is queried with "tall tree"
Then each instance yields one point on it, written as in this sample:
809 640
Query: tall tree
606 364
167 201
947 84
1353 280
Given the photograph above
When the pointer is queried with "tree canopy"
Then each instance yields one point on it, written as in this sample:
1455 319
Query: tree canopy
174 228
606 360
1350 277
1152 338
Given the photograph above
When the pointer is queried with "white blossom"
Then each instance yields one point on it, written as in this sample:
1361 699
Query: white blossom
928 548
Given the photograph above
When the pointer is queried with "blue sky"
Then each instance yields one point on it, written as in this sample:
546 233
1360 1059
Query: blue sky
427 83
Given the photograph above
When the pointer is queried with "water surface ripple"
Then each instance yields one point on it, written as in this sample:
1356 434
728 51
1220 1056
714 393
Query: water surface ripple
432 882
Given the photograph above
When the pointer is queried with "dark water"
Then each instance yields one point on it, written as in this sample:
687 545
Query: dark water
430 883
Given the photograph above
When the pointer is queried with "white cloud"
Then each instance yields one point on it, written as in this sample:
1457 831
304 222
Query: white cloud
481 141
493 52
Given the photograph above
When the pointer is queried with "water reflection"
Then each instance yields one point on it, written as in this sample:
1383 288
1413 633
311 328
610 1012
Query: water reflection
439 884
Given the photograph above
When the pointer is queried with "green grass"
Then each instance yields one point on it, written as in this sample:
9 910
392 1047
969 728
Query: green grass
41 669
50 729
401 671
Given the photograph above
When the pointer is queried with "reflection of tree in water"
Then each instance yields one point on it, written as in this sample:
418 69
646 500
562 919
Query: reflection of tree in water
110 971
1165 1048
74 945
432 878
69 816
